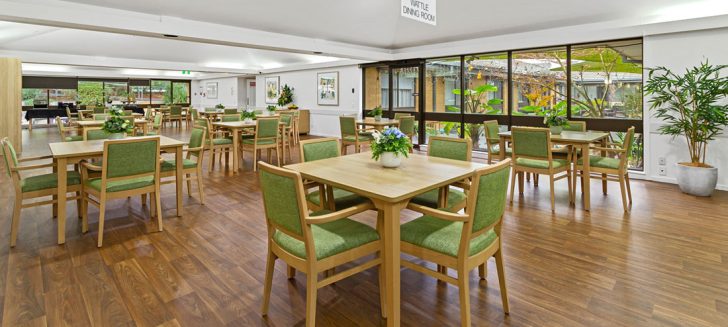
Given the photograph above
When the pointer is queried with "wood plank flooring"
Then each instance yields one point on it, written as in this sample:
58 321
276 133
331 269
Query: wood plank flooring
663 264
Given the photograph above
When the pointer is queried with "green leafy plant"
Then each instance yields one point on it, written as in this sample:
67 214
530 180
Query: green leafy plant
286 95
555 116
377 111
271 109
689 105
390 140
116 124
247 114
220 106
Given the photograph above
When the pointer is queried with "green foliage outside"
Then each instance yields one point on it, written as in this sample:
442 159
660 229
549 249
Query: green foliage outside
91 93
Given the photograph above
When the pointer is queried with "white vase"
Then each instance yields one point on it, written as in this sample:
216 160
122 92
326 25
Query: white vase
390 160
556 129
700 181
248 120
378 118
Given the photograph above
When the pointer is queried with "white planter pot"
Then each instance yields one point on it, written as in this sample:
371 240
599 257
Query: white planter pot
390 160
248 120
556 129
700 181
378 118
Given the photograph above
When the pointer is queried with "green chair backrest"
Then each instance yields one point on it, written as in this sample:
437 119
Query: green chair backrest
194 114
69 114
407 125
157 121
449 147
627 145
59 123
175 110
201 122
96 134
131 157
148 113
398 115
230 111
575 126
9 151
286 119
100 116
490 196
348 125
210 109
234 117
491 131
318 149
531 142
99 110
197 139
266 128
281 199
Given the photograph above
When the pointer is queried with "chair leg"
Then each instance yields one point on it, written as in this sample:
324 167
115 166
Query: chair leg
513 184
291 272
158 201
212 160
629 189
255 159
521 184
311 290
343 149
189 184
502 279
573 184
278 156
144 199
464 297
102 211
199 187
483 270
84 212
269 267
553 199
604 184
622 189
78 204
16 220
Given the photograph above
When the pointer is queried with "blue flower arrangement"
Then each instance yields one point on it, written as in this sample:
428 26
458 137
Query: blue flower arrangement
390 140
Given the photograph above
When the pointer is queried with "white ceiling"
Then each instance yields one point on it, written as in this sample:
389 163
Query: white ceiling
377 23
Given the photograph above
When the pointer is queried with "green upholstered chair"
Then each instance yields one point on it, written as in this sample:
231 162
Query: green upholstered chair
231 111
72 116
217 143
229 118
462 241
129 167
351 135
573 126
94 133
267 137
85 114
100 116
532 154
407 126
612 167
175 115
324 148
287 134
449 148
398 115
194 115
31 187
492 140
312 242
68 134
99 110
149 114
192 164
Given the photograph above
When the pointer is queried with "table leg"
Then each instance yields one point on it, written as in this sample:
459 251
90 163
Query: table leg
391 261
178 181
604 176
502 148
61 164
236 155
586 175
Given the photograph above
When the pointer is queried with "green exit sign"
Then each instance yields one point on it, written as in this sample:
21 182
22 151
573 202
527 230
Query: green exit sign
186 72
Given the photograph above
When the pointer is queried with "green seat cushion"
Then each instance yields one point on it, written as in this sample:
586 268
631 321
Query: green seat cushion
122 185
601 162
260 142
247 136
429 198
442 236
540 164
330 238
74 138
221 141
42 182
495 149
168 165
362 138
342 199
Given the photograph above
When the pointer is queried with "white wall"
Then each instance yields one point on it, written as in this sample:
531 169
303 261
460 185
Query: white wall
227 92
677 52
324 119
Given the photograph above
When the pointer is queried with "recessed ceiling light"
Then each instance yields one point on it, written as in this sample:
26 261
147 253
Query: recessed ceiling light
317 52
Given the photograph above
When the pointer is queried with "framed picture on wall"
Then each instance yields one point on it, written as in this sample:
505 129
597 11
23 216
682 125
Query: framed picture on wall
272 89
328 89
211 89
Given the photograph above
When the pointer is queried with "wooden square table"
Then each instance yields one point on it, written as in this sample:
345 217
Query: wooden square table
579 140
67 153
390 189
378 125
235 128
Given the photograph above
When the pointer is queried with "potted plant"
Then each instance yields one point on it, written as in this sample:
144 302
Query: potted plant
220 106
116 126
248 116
286 96
689 106
271 110
390 145
293 107
554 120
376 113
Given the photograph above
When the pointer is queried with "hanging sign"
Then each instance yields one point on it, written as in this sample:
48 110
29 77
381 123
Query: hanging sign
420 10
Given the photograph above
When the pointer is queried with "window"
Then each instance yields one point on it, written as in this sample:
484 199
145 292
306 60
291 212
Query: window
140 94
181 92
61 95
116 92
91 93
442 85
486 77
539 80
35 97
161 92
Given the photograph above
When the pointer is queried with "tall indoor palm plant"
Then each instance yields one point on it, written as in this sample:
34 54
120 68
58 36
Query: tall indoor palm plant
690 105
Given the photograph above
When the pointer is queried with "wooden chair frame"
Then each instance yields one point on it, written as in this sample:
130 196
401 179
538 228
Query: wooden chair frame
20 195
357 145
64 130
218 149
170 117
255 147
188 171
551 171
311 266
464 184
325 193
288 132
491 141
463 263
102 196
411 135
89 129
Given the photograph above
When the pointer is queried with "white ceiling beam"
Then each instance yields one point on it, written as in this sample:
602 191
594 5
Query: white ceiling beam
95 18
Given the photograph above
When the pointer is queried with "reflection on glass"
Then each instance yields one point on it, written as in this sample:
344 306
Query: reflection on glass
181 92
62 95
607 80
33 97
442 128
539 80
376 87
405 82
442 85
116 92
161 92
140 94
486 81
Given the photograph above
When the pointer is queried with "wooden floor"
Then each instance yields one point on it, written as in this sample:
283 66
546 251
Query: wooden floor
664 264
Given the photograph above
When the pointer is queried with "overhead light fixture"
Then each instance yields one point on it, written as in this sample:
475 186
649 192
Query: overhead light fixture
224 65
45 68
317 52
170 35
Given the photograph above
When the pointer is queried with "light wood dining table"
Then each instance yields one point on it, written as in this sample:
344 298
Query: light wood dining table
236 128
85 124
390 189
579 140
68 153
378 124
